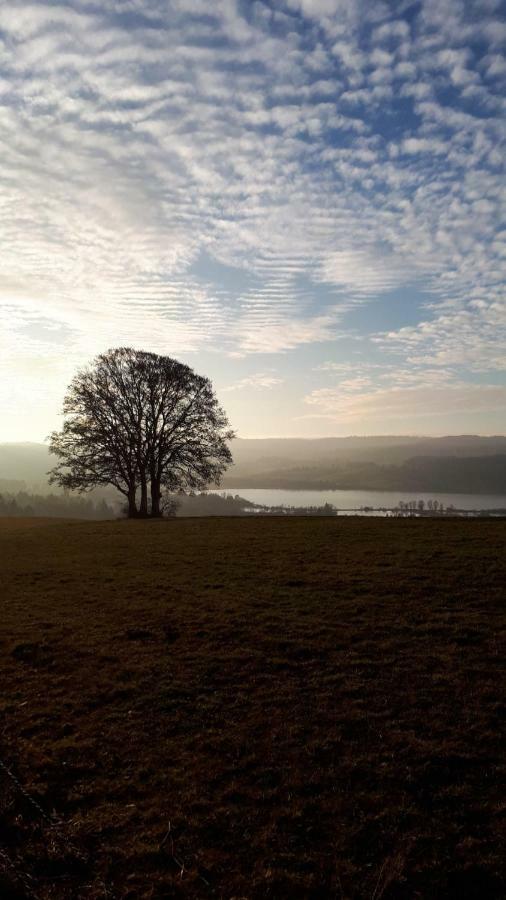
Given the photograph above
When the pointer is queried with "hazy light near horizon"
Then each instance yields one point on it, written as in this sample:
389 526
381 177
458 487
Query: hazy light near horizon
301 198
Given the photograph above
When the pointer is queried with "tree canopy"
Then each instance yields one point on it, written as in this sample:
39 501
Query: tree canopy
143 423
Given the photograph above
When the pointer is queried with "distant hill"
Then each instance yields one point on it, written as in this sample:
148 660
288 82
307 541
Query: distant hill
252 456
473 475
460 463
456 463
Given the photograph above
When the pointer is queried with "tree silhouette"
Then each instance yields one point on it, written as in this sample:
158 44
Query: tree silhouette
137 420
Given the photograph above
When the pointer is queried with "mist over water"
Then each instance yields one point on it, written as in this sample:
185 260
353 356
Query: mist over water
344 500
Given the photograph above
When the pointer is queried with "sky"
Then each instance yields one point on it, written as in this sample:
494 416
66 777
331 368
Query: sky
301 199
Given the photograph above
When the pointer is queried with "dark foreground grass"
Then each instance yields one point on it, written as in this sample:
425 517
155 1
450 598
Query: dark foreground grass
276 708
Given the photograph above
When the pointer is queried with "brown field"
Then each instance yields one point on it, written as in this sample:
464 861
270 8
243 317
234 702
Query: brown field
273 708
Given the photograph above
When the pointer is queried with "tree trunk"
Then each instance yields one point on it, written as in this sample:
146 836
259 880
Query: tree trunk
143 509
155 498
132 508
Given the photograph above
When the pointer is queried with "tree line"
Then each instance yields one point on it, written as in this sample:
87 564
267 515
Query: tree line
144 423
24 503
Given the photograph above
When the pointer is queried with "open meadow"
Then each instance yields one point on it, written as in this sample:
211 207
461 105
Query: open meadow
249 709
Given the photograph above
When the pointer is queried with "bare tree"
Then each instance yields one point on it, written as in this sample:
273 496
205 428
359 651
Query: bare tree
137 420
186 429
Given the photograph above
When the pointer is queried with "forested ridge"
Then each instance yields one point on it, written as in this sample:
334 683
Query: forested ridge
473 475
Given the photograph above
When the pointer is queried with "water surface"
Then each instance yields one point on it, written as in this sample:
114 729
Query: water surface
352 500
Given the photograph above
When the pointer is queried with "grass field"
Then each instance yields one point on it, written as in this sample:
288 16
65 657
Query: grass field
273 708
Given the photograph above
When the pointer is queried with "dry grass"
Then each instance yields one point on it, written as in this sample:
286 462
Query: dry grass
275 708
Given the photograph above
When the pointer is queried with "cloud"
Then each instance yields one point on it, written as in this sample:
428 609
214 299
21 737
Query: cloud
391 31
366 272
327 150
404 395
258 381
472 338
424 145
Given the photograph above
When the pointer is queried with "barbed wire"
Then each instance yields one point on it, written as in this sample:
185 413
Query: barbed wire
22 877
51 820
57 824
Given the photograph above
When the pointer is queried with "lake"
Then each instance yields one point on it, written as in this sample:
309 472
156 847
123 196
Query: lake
346 500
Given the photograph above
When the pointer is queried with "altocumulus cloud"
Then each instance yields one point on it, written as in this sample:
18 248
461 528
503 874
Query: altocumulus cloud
259 381
316 154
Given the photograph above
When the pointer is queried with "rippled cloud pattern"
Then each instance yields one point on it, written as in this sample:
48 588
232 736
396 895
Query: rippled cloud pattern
303 198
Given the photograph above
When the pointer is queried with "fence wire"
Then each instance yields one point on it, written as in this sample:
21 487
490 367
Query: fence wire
51 821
